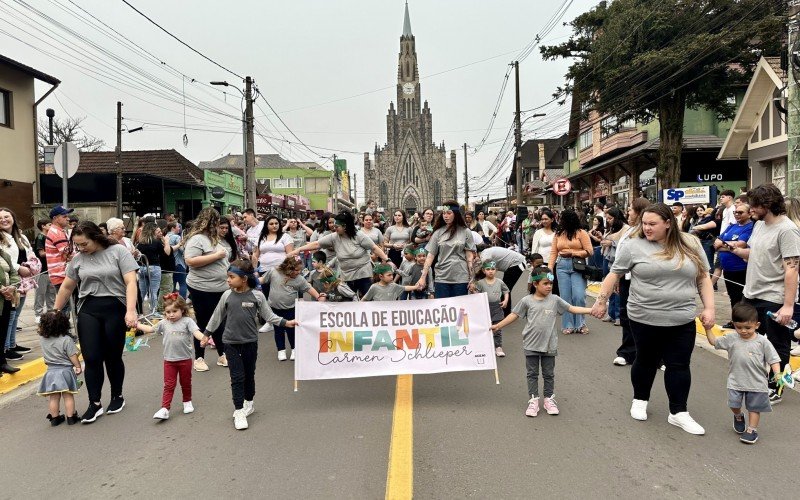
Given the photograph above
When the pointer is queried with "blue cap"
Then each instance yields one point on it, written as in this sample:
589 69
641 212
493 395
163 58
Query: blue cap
60 210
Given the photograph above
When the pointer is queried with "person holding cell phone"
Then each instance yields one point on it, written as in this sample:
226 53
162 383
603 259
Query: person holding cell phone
729 245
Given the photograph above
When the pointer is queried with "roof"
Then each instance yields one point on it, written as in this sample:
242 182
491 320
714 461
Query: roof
708 143
767 77
407 24
162 163
29 71
236 162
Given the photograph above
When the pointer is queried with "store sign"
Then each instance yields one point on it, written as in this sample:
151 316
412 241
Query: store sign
688 196
600 187
620 188
217 192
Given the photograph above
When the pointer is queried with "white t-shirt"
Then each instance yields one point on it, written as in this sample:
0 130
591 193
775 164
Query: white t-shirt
252 235
727 218
272 253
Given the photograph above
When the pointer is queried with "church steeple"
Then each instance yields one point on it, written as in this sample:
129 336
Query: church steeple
407 24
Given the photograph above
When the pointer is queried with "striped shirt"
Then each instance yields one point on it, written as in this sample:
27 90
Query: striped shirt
56 247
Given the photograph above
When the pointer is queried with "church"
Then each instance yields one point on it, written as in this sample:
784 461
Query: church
410 171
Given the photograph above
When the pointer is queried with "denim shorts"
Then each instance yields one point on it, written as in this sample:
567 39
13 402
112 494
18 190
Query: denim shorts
753 401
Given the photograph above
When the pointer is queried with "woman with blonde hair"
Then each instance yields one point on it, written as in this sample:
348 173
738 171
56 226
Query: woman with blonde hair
667 270
208 261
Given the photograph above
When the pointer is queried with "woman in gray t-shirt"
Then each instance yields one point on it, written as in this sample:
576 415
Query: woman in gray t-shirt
452 243
105 276
352 251
208 263
667 269
397 237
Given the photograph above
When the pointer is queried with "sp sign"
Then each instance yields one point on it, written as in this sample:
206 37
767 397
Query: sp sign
688 196
562 186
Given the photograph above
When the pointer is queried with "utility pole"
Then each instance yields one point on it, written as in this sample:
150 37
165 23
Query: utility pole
355 190
466 181
793 118
119 160
518 139
250 154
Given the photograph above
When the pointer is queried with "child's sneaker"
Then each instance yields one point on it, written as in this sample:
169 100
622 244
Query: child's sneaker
248 408
498 351
550 406
533 408
188 407
162 414
57 420
240 419
749 437
739 424
74 419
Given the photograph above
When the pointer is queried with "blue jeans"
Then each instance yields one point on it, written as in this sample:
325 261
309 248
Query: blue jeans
597 259
150 289
307 261
708 248
613 300
446 290
179 278
11 338
572 287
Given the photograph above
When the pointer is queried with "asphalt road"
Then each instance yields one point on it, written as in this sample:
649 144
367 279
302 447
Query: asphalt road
471 438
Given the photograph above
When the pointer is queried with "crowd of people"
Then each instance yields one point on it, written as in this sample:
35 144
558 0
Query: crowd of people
219 280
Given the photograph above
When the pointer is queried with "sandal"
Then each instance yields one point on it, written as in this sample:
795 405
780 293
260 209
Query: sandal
566 331
584 330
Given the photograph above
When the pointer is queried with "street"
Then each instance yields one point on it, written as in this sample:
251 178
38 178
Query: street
471 438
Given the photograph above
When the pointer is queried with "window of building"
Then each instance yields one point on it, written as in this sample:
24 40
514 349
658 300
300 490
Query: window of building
608 127
437 193
585 140
5 108
317 185
778 174
289 183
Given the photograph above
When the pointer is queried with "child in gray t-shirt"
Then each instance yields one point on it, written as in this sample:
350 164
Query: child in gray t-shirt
540 336
498 295
177 330
749 354
385 289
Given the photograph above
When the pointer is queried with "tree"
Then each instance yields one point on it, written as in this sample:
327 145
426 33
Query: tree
67 130
647 59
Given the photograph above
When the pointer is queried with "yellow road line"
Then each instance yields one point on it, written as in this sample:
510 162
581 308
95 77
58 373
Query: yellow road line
28 372
400 474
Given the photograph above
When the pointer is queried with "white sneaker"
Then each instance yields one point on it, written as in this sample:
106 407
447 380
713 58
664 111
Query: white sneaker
188 407
498 351
639 409
200 365
267 328
240 419
686 422
248 408
222 360
291 357
282 355
663 368
620 361
162 414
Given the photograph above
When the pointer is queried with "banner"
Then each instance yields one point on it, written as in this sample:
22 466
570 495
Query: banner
688 195
366 339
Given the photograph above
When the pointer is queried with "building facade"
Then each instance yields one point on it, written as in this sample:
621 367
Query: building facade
18 150
410 171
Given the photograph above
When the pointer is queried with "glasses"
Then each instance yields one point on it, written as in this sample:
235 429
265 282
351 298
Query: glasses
739 212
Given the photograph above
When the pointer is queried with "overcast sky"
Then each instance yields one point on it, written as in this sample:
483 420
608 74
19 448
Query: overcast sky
302 54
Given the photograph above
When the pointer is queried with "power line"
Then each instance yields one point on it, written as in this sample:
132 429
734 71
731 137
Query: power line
182 42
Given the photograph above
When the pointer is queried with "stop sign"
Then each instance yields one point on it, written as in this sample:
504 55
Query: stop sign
562 186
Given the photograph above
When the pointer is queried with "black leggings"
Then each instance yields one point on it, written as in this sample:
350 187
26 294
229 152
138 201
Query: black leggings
204 304
5 319
510 278
242 366
627 349
101 330
673 344
360 286
281 332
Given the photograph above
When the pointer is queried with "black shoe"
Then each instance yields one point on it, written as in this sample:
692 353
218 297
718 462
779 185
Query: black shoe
6 368
92 413
116 405
54 421
73 419
19 328
21 349
773 397
739 425
13 355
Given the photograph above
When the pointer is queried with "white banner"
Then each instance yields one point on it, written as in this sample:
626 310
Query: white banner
365 339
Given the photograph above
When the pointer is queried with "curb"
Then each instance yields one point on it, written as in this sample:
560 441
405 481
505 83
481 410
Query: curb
30 371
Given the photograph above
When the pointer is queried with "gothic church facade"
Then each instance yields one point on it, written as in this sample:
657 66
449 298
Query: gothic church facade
410 171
